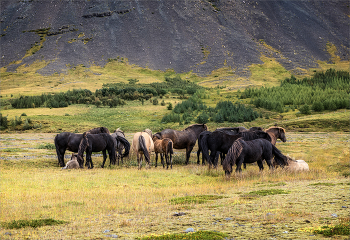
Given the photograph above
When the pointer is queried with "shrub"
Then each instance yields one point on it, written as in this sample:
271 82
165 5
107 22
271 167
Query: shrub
305 109
203 118
317 106
3 122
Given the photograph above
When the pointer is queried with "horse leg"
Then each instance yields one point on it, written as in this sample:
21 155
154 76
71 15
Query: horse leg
162 159
260 164
60 156
188 153
171 161
139 160
239 162
104 158
268 161
198 153
156 159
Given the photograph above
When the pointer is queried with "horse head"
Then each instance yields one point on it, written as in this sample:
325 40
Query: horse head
282 135
149 131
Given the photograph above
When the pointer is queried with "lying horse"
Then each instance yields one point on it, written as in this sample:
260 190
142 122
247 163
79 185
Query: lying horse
164 147
221 141
142 144
252 151
294 165
71 141
96 143
72 163
186 138
121 144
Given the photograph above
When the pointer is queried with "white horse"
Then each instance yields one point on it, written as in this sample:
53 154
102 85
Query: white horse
294 165
72 163
142 144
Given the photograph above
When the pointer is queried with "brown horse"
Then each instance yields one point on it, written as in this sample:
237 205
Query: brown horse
164 147
276 133
142 144
184 139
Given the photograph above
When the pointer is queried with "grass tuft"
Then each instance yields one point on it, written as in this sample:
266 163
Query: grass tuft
34 223
198 199
49 146
343 228
202 235
266 192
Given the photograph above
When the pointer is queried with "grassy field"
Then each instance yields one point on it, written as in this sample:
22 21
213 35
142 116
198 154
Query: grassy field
123 201
41 201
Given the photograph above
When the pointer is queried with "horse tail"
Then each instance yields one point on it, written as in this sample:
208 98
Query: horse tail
204 146
143 147
233 153
59 155
281 159
126 145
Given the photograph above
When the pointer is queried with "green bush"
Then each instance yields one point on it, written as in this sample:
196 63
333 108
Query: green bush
305 109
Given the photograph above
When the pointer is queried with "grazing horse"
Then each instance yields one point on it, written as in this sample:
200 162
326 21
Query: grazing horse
186 138
72 163
252 151
96 143
294 165
71 141
142 144
276 133
121 144
221 141
164 147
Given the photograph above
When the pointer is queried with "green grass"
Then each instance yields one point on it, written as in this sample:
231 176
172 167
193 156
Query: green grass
200 235
267 192
49 146
198 199
343 228
34 223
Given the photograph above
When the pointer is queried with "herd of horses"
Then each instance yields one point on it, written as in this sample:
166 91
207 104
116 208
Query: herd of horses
234 146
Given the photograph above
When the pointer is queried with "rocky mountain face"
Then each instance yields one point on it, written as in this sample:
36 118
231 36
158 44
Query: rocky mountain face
184 35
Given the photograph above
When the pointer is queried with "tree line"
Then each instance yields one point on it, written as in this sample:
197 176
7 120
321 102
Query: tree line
110 95
323 91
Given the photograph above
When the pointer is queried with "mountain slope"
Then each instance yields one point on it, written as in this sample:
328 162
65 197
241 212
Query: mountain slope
195 35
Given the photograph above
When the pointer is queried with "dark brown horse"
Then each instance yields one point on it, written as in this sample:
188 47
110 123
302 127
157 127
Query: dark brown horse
96 143
163 147
185 139
221 141
71 141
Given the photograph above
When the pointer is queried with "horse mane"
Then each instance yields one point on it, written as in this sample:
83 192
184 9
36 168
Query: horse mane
149 131
279 129
84 143
233 153
193 125
249 135
99 130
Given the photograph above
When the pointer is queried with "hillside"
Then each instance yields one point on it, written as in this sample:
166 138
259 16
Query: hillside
196 35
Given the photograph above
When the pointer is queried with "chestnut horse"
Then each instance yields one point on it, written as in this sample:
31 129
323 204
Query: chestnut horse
164 147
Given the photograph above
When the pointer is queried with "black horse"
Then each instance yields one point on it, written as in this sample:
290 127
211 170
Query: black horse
252 151
96 143
221 141
186 138
71 141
